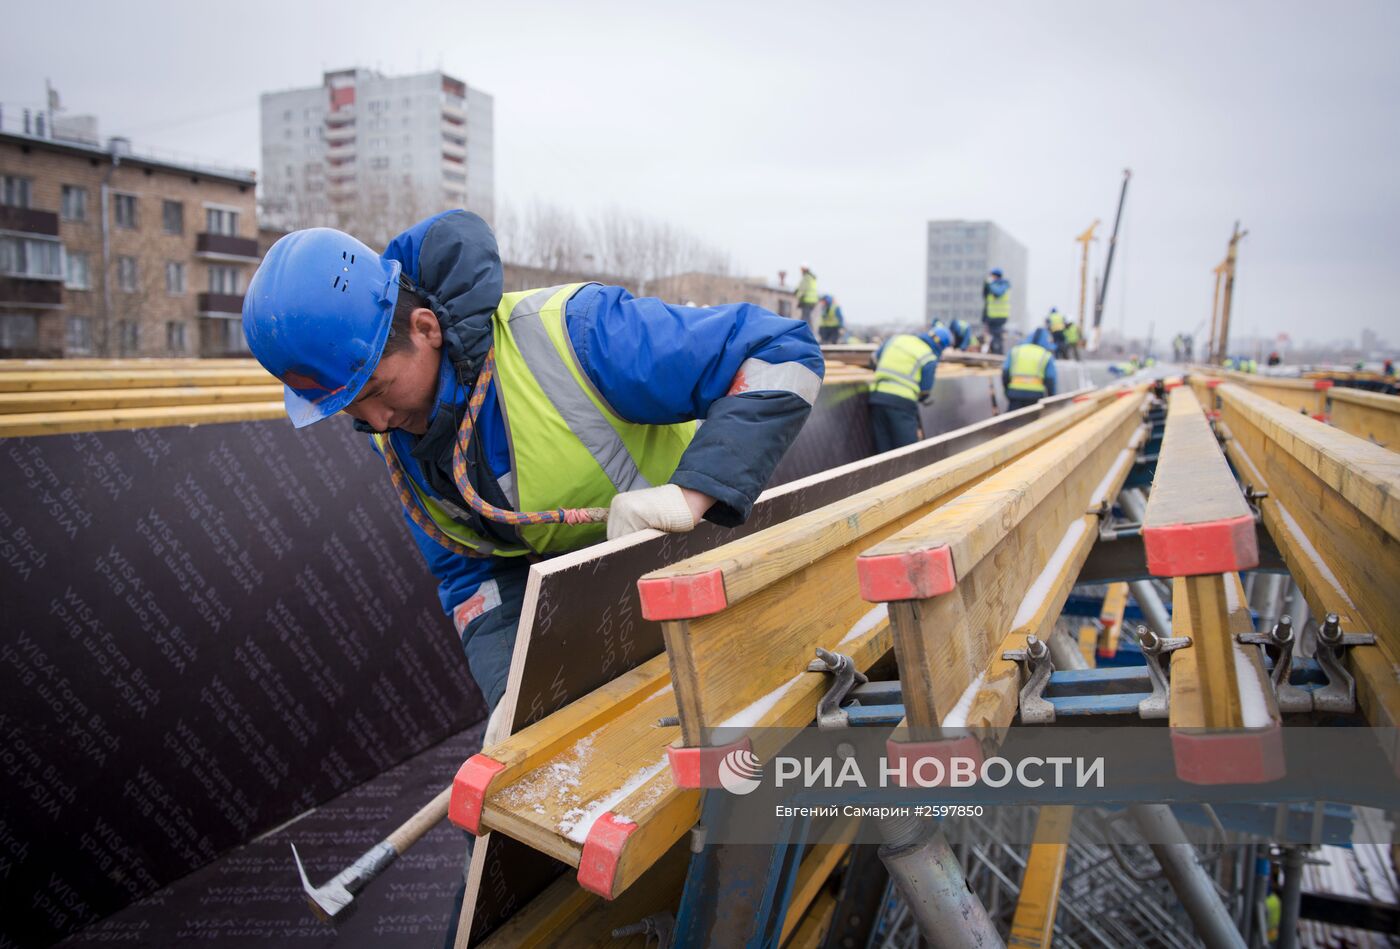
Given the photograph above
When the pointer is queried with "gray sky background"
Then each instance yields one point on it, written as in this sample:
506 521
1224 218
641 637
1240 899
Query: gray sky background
833 131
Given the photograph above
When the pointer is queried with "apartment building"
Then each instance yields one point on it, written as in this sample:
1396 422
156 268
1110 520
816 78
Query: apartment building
107 252
372 154
960 253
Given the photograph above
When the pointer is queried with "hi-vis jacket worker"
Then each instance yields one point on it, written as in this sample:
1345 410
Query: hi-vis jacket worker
1029 371
904 369
960 332
831 321
511 423
806 293
996 307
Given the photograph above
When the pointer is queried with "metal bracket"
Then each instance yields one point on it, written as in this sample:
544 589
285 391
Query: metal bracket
1252 497
1339 694
1290 697
1154 647
830 714
659 927
1036 664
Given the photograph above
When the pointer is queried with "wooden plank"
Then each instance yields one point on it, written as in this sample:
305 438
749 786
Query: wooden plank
816 869
728 618
1349 572
1088 641
1201 611
1197 520
102 420
1033 924
89 365
988 703
19 403
50 380
1373 416
1115 603
811 932
581 623
946 633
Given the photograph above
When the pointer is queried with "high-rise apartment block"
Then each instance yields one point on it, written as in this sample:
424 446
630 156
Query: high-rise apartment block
372 154
105 251
960 253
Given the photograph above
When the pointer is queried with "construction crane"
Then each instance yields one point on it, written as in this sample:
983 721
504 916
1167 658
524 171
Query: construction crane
1220 334
1084 240
1108 263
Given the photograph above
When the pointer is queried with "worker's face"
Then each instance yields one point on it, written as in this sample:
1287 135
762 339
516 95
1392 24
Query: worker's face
401 391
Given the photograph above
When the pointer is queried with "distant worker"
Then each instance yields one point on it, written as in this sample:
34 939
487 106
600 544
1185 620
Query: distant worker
1388 368
904 371
1029 371
806 293
1072 339
506 420
996 307
961 333
1275 358
832 320
1055 323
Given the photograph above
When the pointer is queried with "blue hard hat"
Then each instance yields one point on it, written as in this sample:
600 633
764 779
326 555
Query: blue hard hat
996 271
317 314
941 336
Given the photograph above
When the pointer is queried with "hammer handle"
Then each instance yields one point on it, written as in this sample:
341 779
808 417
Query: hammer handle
408 833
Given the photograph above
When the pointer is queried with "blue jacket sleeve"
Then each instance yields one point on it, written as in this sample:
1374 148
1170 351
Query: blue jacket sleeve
1051 378
751 375
1006 372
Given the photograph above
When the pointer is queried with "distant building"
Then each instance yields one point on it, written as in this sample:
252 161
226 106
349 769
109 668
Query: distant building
708 289
959 255
105 251
373 154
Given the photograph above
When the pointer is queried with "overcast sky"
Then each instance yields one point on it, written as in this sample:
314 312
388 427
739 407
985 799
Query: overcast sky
833 131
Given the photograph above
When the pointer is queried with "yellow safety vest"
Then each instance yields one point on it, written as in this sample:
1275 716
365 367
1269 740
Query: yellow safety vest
829 316
1028 362
1057 322
568 448
1072 333
998 307
901 366
807 289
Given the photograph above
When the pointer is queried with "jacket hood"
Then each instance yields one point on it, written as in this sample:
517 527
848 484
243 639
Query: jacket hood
1042 338
460 275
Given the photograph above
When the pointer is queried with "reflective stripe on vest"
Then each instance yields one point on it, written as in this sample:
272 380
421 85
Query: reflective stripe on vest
998 307
568 448
1028 363
1057 322
901 366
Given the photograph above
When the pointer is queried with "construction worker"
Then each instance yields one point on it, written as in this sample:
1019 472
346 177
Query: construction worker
509 423
831 321
1055 323
1072 339
960 332
996 307
806 293
904 369
1029 371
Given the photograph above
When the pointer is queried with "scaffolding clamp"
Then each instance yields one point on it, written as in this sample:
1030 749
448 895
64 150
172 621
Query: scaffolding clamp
1339 694
1290 697
846 677
1036 665
1154 648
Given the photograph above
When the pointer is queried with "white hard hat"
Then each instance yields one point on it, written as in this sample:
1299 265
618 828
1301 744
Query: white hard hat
806 266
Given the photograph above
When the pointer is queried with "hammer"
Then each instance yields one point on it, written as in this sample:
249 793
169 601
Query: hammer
335 895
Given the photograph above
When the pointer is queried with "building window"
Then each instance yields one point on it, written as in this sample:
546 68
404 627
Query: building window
174 278
128 336
172 216
126 274
75 276
35 258
124 210
14 191
221 221
79 334
19 331
175 337
223 279
74 203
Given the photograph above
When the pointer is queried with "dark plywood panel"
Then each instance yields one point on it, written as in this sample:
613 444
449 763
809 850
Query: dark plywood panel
206 631
582 624
252 895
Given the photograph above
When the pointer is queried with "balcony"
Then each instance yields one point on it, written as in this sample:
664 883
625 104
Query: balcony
456 151
456 115
35 294
341 152
224 306
340 134
28 221
226 247
339 118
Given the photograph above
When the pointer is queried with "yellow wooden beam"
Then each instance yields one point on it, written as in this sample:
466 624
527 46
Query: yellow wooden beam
22 403
1033 925
30 424
48 380
1373 416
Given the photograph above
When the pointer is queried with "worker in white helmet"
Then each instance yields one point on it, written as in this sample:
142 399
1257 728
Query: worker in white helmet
806 293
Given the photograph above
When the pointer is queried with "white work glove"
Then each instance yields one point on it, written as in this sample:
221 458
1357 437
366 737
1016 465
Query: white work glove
663 507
